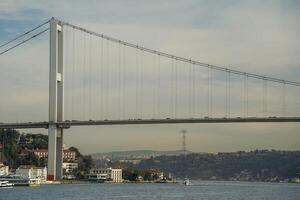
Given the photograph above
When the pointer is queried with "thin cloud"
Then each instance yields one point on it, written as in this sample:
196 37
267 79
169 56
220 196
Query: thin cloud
253 36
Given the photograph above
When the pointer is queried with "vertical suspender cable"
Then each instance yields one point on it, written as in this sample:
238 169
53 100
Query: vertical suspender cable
107 80
102 79
263 98
211 95
73 72
141 83
298 114
98 100
229 95
242 100
244 92
247 96
69 71
190 90
159 87
193 90
154 86
172 88
119 81
79 55
267 99
89 67
84 79
123 81
176 88
157 93
136 83
208 92
283 109
226 96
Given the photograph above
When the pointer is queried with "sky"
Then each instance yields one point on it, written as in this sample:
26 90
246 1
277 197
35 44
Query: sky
254 36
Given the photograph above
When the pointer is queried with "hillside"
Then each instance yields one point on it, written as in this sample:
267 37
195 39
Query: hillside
256 165
142 154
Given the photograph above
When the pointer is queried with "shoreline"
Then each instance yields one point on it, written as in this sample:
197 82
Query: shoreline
109 182
162 182
87 182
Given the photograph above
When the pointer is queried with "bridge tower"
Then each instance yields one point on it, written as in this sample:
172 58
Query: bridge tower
56 101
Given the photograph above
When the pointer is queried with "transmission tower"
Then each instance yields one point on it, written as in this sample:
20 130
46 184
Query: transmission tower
183 141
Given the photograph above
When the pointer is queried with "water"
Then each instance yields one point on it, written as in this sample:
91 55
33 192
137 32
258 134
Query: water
205 190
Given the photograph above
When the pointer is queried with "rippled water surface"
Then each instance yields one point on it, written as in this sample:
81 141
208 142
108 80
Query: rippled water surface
199 190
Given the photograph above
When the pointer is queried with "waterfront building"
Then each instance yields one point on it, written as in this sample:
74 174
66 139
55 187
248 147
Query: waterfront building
131 161
4 170
68 155
1 153
98 177
111 174
41 153
32 172
69 167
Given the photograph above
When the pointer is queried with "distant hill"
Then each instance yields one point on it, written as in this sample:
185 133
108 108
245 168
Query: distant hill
258 165
139 154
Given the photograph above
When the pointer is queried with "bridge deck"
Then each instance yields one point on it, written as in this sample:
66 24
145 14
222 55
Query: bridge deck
68 124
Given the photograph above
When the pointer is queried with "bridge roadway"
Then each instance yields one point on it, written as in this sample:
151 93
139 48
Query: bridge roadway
68 124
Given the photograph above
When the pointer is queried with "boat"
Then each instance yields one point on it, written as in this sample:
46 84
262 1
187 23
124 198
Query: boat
15 180
186 181
35 182
21 181
5 184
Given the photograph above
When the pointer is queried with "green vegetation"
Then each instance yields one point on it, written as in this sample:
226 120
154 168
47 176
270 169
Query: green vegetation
134 174
85 163
18 150
16 153
10 152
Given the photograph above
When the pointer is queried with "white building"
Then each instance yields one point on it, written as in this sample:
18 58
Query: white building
69 167
114 175
67 154
32 172
4 170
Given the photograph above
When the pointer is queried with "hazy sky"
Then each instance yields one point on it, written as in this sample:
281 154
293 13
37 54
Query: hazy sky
254 36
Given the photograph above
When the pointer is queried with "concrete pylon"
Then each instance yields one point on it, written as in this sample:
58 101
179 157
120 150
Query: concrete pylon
56 102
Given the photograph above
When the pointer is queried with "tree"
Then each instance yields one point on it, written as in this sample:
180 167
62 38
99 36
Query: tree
9 138
85 164
78 154
132 174
88 163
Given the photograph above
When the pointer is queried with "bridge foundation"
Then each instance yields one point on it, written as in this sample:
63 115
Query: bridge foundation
56 102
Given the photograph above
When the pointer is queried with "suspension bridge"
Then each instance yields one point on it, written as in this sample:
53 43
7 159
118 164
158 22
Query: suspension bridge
95 79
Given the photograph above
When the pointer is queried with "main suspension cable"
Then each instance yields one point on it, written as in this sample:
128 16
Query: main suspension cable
24 34
214 67
24 41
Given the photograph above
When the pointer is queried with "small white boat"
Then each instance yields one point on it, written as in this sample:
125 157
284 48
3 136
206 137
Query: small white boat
5 184
186 181
34 182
